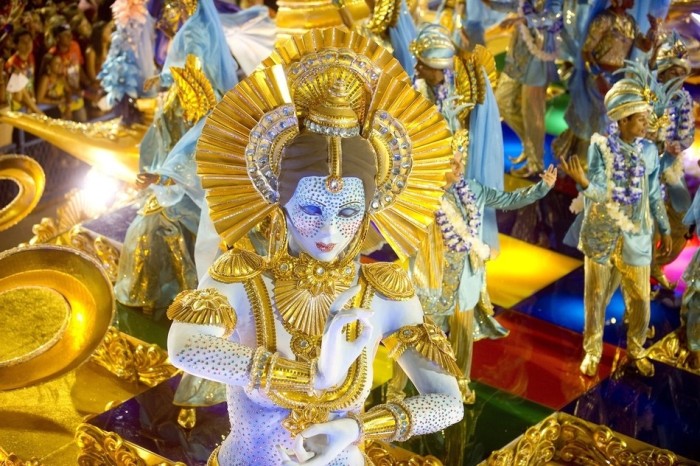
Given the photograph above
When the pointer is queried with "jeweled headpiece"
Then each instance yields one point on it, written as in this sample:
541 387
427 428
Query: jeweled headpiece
672 52
339 84
433 47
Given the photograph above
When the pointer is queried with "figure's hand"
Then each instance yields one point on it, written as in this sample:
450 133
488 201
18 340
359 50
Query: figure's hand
337 354
549 176
319 444
673 148
144 180
665 246
573 168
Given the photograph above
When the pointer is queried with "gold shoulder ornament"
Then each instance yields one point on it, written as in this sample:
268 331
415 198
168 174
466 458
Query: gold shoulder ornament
428 340
389 279
204 307
236 266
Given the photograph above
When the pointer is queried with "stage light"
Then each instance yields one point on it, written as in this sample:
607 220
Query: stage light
99 190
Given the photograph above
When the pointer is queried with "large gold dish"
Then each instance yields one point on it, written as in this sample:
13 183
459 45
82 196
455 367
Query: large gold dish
29 176
86 288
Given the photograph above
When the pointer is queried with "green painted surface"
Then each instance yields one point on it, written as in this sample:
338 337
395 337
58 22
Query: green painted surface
496 419
149 328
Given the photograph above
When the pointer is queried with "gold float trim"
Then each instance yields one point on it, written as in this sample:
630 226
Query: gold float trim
99 448
383 454
10 459
30 179
673 350
133 361
565 438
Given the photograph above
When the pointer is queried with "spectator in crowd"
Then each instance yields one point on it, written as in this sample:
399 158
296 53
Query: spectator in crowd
69 51
20 70
54 89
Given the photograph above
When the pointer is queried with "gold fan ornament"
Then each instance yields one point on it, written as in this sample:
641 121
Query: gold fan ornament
243 140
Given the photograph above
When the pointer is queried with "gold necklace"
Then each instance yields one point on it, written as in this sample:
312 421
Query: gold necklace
304 289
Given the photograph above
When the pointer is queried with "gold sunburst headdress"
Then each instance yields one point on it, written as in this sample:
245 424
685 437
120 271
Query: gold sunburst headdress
243 140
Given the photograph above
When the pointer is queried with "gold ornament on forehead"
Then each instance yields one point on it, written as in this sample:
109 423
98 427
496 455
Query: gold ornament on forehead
321 81
334 117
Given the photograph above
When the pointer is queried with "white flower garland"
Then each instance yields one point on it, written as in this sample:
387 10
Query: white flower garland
455 219
620 218
674 173
530 41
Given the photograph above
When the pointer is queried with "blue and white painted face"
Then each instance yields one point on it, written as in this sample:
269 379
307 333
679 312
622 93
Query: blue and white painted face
322 223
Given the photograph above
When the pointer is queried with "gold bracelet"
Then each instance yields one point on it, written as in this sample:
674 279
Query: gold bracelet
379 423
391 422
404 420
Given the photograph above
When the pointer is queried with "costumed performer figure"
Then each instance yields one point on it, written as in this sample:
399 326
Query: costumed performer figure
461 303
690 303
529 69
610 37
672 68
326 137
460 222
622 198
157 263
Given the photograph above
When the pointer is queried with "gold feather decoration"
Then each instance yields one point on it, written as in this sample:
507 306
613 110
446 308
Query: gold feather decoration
385 15
194 90
472 69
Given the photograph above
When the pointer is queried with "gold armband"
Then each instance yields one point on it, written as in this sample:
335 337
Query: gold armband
204 307
390 422
269 371
428 340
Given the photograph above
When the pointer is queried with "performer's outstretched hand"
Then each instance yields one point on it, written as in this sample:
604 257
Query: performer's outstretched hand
337 353
549 176
574 169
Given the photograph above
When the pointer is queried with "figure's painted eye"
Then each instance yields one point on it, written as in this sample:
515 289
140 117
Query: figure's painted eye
348 212
310 209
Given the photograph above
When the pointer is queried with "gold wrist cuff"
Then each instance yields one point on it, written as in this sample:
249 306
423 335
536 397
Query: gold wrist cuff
269 371
290 376
391 422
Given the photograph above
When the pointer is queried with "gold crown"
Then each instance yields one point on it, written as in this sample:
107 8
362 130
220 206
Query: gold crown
333 115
